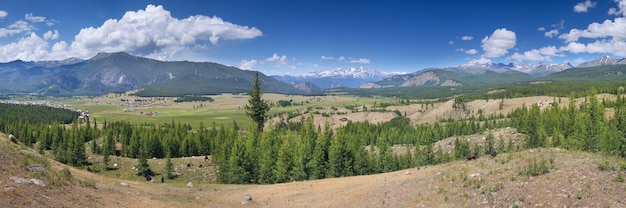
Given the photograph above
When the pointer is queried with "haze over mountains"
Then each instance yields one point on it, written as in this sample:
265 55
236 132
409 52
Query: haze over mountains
121 72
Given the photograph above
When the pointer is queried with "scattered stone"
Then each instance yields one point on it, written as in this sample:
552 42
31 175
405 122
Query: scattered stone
20 180
9 189
474 175
31 153
35 168
38 182
407 173
124 184
115 165
190 184
518 203
246 199
196 197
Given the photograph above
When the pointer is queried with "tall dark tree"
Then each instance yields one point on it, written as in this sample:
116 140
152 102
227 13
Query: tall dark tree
256 107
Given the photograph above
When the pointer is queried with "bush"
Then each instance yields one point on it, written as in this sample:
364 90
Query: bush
605 166
536 168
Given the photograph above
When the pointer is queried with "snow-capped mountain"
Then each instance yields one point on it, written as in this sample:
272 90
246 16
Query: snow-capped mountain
540 69
602 61
354 72
340 77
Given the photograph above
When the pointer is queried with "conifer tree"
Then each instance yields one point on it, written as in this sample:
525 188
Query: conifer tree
257 108
169 165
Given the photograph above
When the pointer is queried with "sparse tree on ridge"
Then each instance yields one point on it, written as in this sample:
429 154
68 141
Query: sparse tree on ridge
256 107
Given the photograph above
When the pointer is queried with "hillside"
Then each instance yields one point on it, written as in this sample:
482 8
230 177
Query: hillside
121 72
572 179
452 77
614 72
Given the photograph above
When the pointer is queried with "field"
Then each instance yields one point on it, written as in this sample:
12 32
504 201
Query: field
225 109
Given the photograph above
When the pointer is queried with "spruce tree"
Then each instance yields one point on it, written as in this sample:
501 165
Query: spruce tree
169 165
256 107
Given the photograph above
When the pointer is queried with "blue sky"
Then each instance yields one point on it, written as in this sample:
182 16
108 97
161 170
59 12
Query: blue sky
296 37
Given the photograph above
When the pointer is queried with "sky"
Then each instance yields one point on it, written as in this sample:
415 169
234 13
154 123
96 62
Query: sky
287 37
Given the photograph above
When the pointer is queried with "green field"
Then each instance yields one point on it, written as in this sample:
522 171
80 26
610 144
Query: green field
225 109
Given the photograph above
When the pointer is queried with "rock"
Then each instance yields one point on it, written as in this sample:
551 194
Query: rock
20 180
246 199
408 173
518 203
124 184
474 175
35 168
31 153
38 182
9 189
190 184
115 165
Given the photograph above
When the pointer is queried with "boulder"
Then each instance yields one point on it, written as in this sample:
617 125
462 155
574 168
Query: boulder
31 153
35 168
20 180
246 199
38 182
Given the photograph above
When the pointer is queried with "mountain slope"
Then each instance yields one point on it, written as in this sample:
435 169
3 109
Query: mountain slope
598 73
121 72
452 77
602 61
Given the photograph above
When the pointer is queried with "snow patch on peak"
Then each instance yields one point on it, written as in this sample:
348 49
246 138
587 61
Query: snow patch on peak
353 72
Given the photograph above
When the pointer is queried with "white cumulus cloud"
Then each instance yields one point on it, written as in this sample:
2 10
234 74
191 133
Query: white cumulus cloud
467 37
154 32
542 54
584 6
499 43
31 47
3 14
360 61
51 35
17 27
327 58
471 51
620 10
552 33
247 64
541 29
609 28
281 60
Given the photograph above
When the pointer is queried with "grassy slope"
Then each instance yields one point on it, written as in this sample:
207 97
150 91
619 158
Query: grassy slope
573 179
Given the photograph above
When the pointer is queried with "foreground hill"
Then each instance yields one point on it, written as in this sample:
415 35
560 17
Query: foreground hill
548 177
121 72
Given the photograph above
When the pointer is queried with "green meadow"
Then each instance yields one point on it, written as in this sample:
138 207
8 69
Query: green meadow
225 109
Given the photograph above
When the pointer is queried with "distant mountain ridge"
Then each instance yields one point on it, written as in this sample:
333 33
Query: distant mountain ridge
121 72
350 77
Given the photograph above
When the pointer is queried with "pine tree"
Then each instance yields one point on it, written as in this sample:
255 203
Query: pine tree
108 148
168 165
257 108
143 169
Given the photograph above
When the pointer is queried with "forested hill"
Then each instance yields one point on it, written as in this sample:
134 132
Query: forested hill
121 72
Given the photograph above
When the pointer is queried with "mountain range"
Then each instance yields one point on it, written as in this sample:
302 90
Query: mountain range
122 72
340 77
492 73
